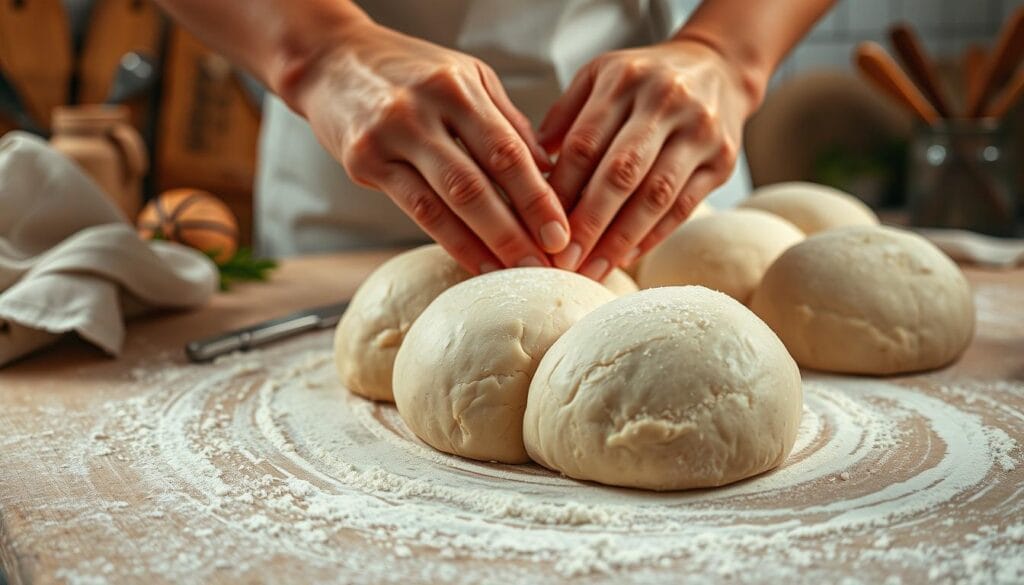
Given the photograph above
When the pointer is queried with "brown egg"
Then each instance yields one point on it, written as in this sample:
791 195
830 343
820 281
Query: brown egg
194 218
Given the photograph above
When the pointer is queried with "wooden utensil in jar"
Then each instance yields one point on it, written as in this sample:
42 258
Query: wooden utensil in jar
920 67
1006 57
882 71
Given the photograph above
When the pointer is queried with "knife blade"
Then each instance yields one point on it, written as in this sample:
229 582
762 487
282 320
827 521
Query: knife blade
205 350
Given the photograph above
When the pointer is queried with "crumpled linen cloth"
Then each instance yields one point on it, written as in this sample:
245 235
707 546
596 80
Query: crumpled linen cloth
70 261
974 248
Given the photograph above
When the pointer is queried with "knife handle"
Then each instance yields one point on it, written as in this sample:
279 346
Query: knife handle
205 350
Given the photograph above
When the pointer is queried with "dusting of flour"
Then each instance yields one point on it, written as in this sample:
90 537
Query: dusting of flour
263 460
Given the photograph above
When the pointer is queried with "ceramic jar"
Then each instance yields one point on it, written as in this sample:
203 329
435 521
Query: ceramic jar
103 142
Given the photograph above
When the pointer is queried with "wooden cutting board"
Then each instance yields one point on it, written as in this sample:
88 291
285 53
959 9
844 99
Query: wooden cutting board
79 502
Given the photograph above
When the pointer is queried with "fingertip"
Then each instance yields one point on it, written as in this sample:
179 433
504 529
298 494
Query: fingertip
596 269
569 258
554 237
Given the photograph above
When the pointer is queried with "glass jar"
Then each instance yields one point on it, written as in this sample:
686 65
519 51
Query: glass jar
961 176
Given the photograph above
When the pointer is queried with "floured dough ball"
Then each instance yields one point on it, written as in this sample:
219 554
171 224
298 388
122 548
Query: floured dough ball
619 283
382 310
702 209
811 207
462 374
867 300
669 388
727 251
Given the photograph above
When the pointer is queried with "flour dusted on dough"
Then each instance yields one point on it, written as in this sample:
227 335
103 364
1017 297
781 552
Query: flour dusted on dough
727 251
669 388
620 283
462 374
382 310
868 300
811 207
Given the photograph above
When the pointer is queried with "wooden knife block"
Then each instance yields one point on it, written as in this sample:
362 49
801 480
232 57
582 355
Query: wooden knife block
207 134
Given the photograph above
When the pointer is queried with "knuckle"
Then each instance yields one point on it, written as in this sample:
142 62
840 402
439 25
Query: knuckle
358 159
462 186
670 93
588 224
684 207
424 209
446 84
705 122
582 146
728 152
618 241
505 153
660 193
400 111
506 244
534 203
624 172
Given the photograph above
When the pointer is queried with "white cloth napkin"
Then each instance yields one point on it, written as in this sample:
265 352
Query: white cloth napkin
70 261
974 248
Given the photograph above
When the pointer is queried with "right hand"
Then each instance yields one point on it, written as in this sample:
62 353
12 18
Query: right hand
434 130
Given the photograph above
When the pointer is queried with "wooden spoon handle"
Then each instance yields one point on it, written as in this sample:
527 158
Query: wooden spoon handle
1006 56
920 66
973 65
1010 96
880 69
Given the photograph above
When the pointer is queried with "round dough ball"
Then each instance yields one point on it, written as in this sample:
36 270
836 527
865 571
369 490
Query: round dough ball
462 374
811 207
669 388
619 283
867 300
381 312
727 251
702 209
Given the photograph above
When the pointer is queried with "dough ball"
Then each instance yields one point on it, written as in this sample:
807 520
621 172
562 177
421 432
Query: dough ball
727 251
702 209
811 207
867 300
462 374
382 310
619 283
669 388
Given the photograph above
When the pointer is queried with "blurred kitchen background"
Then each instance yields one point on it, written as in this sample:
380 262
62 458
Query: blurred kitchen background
199 118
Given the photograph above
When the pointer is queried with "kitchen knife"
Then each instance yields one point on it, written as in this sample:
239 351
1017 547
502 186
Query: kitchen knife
205 350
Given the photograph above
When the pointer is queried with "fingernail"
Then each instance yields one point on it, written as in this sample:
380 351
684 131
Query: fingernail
595 269
631 257
554 237
530 261
569 258
488 267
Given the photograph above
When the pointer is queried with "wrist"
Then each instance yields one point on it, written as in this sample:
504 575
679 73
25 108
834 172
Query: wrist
301 55
748 66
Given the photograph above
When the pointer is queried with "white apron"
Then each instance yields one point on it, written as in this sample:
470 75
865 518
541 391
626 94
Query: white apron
305 203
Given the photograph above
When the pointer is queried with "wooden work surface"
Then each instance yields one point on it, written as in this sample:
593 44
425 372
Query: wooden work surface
87 497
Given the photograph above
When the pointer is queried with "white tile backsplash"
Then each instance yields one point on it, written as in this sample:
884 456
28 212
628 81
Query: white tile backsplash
945 26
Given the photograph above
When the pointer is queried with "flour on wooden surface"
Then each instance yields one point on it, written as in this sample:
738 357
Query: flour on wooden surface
264 456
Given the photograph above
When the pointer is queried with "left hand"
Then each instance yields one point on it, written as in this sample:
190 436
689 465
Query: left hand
643 135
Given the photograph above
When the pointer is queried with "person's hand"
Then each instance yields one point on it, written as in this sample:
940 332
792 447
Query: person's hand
643 135
434 129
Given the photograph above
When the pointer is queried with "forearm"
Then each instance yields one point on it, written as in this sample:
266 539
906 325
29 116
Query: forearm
276 40
753 35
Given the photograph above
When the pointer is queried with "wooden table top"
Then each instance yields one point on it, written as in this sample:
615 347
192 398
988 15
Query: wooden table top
146 468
